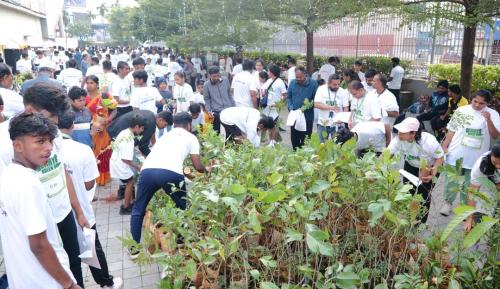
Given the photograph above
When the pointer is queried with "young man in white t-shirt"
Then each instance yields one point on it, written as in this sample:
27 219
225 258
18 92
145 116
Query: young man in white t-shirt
244 87
70 76
144 97
370 135
163 168
388 102
121 89
396 78
122 165
31 244
364 106
81 165
329 100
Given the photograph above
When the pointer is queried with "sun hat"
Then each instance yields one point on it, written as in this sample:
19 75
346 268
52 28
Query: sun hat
408 125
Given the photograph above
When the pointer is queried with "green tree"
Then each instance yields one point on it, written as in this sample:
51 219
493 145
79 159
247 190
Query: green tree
470 13
120 27
80 29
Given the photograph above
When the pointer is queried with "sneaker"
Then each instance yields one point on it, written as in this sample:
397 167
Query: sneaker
117 283
445 209
125 211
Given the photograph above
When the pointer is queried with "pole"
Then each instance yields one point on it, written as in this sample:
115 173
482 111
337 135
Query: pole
357 36
489 47
434 34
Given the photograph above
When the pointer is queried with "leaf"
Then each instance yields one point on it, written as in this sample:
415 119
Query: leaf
461 213
275 178
268 285
255 274
378 209
347 280
319 186
315 241
479 230
292 235
272 196
190 269
237 189
268 262
233 245
381 286
254 221
454 284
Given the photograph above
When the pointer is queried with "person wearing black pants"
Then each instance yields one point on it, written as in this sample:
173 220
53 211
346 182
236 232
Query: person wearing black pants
216 124
413 146
298 137
217 96
67 231
101 276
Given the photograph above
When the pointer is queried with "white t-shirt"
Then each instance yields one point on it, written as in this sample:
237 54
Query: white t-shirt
326 70
107 80
274 94
326 96
388 102
81 165
472 137
12 102
23 65
123 57
70 77
371 135
476 179
24 212
397 74
237 69
145 98
361 76
184 96
428 149
368 88
95 70
123 149
121 88
242 84
290 74
170 151
366 108
246 119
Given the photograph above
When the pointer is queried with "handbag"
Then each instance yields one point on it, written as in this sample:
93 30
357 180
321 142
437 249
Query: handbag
263 100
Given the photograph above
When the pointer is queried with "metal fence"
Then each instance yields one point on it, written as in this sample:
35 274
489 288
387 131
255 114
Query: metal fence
384 35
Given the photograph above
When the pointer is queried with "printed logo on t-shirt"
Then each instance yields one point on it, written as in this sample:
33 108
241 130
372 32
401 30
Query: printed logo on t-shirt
474 131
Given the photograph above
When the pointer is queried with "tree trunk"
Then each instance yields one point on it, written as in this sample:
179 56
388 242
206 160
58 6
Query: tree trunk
310 51
467 61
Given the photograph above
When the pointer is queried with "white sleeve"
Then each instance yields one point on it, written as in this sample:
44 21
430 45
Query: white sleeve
157 95
318 97
475 174
190 94
90 171
390 103
392 73
344 97
126 150
495 119
393 145
32 217
433 147
376 109
252 85
115 88
134 98
194 148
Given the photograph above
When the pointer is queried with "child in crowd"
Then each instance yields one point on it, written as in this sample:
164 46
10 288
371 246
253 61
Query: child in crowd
164 122
82 168
83 116
30 238
183 93
197 116
165 93
144 97
122 165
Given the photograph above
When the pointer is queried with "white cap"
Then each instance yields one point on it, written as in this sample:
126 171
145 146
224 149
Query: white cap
408 125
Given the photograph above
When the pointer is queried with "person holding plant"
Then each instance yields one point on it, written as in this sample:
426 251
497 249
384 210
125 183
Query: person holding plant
102 106
422 156
486 169
370 136
470 131
243 123
364 106
164 171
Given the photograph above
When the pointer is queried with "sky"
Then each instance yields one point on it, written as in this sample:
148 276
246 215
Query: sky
96 3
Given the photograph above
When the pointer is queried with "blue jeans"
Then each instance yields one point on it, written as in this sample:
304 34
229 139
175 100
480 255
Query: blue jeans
328 130
150 181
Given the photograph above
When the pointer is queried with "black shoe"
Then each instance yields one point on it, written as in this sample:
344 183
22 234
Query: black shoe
125 211
120 195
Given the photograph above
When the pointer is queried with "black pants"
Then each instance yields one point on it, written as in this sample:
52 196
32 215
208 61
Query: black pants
424 189
396 94
216 124
232 131
122 110
298 137
427 116
67 231
101 276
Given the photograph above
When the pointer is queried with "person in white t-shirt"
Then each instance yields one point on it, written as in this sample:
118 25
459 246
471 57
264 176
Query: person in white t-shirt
370 136
70 76
182 93
95 68
144 97
13 102
368 81
291 70
388 102
330 99
81 165
122 165
163 170
238 67
121 89
364 106
328 69
416 148
23 65
243 123
173 67
470 131
32 247
51 101
108 77
244 87
358 65
486 169
396 78
275 89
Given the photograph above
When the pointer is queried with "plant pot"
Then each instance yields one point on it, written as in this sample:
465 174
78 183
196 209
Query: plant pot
147 219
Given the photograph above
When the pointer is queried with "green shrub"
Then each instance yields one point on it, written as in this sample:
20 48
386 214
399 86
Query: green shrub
483 76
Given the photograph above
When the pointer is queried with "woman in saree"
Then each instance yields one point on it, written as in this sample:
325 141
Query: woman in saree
102 106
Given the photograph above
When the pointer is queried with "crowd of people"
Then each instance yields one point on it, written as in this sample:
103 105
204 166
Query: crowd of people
95 114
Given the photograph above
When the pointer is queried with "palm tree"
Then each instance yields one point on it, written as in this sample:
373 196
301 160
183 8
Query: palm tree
102 11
